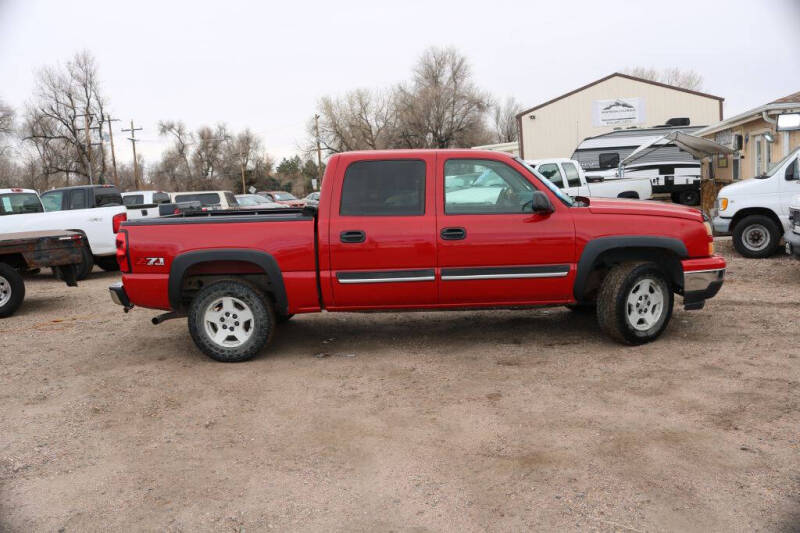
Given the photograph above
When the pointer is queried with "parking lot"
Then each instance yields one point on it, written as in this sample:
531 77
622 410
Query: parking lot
494 420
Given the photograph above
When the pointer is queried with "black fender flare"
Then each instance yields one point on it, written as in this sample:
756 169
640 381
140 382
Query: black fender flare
261 259
595 247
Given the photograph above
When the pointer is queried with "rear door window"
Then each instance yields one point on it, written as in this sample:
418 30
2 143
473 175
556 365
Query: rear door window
572 175
77 199
384 188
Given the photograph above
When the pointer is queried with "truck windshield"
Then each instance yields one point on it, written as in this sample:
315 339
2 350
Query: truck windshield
564 197
19 203
774 168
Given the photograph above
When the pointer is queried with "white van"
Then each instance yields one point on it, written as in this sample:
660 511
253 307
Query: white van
756 211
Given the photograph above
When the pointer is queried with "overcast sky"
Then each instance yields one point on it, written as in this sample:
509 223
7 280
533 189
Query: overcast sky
264 65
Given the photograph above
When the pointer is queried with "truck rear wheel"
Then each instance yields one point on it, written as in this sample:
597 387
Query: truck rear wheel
12 290
83 268
634 304
107 262
756 236
231 320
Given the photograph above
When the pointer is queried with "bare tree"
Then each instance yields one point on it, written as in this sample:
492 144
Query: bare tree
174 170
208 156
361 120
6 119
442 107
64 97
505 120
686 79
245 149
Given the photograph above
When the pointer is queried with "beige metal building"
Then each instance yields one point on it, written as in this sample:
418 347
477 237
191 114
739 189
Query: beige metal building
554 128
755 132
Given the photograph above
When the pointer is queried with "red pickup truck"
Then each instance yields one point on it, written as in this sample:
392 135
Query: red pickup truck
415 230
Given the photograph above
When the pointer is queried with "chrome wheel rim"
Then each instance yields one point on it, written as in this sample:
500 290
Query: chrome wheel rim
5 291
645 304
228 322
756 237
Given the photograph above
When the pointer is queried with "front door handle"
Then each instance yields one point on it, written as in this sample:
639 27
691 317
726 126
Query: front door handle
453 234
353 236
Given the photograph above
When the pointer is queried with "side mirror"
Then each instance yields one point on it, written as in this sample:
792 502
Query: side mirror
540 203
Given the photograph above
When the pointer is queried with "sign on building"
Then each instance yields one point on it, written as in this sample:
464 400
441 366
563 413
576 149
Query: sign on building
618 112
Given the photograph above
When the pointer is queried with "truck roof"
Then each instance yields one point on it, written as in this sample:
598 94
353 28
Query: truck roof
103 186
17 190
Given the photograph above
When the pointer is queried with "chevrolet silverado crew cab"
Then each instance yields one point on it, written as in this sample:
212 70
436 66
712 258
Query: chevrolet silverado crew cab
416 230
756 211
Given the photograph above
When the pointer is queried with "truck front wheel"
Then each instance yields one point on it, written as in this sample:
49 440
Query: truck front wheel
12 290
634 304
231 320
756 236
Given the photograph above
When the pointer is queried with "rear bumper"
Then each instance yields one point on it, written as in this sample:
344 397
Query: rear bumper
792 243
702 279
119 296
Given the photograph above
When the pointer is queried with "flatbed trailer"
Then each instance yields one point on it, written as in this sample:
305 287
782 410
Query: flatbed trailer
30 250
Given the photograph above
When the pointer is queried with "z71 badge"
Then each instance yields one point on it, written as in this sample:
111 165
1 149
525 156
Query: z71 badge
151 261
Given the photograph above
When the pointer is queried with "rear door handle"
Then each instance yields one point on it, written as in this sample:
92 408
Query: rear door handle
353 236
453 234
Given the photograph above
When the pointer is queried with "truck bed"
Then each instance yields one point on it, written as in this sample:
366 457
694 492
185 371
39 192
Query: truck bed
161 246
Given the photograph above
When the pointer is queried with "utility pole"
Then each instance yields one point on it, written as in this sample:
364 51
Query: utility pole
113 155
132 139
242 162
319 150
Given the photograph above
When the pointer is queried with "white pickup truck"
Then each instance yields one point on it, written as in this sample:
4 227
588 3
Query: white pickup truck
144 204
756 211
568 175
23 211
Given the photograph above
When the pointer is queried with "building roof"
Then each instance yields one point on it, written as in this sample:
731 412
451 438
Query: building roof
790 103
627 76
793 98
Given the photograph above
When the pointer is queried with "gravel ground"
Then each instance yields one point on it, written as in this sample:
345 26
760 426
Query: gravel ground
461 421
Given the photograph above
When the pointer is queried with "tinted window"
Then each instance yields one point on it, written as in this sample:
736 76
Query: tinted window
206 199
161 198
375 188
19 203
52 200
485 187
231 199
107 196
609 160
77 199
133 199
551 172
572 175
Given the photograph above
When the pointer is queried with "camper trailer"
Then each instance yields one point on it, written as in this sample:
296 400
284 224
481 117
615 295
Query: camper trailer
669 169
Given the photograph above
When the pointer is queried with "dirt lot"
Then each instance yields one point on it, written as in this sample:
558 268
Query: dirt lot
437 421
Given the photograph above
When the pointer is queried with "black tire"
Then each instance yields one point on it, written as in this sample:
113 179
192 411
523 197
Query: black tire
618 318
582 308
260 327
280 319
107 262
83 269
12 290
689 197
749 234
